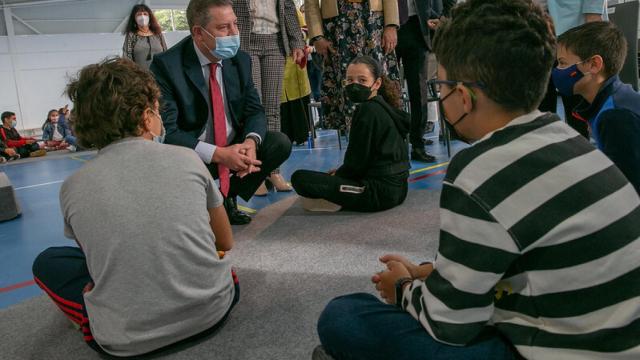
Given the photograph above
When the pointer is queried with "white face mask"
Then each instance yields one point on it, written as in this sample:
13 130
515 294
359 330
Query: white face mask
142 20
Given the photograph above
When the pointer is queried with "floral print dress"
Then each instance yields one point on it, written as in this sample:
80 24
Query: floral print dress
354 32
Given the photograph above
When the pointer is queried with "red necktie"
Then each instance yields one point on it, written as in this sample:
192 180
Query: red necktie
219 125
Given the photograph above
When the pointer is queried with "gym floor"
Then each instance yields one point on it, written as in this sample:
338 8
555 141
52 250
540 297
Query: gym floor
37 182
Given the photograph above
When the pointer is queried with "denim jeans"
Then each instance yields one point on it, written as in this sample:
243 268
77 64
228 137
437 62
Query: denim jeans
359 326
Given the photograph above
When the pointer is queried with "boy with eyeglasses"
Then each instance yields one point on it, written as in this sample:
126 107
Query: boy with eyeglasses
538 245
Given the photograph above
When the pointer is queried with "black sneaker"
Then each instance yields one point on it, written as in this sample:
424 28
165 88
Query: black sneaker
418 154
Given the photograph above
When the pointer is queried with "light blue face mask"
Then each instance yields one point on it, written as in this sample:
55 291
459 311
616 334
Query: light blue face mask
163 133
14 123
159 138
226 46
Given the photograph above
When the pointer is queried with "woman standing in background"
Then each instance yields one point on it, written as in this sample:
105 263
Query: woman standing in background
143 36
340 31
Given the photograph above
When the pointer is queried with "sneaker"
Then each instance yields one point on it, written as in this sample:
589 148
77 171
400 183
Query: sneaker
14 157
3 160
319 205
38 153
72 148
320 354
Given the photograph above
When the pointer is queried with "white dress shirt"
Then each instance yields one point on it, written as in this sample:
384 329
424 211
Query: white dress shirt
204 149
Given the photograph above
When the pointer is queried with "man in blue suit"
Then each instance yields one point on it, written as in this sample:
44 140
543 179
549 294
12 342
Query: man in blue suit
210 104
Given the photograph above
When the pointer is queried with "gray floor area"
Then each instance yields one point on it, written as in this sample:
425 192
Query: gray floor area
290 263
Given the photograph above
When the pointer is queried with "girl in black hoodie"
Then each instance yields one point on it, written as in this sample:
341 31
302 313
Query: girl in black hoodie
376 164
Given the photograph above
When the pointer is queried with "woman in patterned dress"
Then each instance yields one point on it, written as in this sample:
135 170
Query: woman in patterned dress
342 30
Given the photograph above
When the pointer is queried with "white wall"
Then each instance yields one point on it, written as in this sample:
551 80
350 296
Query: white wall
43 64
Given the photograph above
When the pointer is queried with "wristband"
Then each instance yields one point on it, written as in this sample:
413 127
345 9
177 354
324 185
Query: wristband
399 285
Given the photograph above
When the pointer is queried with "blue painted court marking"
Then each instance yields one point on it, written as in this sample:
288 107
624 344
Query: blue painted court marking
37 185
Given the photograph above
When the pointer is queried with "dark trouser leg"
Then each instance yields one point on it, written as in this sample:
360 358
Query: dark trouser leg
275 150
570 102
319 185
23 151
413 52
359 326
62 273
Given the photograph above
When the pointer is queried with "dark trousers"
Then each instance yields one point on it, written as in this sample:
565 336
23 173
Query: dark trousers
62 273
25 151
359 326
412 51
274 150
357 195
314 71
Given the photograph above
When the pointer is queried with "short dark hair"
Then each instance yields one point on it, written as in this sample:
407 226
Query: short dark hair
132 25
7 114
505 44
109 100
597 38
198 11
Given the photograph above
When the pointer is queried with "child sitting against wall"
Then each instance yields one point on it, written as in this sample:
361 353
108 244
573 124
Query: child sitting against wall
24 146
53 133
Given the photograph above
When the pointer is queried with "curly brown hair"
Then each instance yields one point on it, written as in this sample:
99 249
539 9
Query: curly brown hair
109 101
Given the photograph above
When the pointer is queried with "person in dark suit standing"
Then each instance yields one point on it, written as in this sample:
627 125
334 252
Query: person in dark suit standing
210 104
414 43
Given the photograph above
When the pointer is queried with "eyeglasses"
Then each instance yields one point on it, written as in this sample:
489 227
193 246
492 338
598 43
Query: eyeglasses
434 86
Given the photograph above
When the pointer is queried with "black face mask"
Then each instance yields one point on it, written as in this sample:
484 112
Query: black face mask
357 93
452 127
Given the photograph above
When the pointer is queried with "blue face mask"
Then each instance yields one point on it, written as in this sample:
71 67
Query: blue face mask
159 138
565 79
14 123
226 46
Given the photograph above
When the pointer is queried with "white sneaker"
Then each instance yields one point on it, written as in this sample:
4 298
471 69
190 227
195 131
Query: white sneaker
72 148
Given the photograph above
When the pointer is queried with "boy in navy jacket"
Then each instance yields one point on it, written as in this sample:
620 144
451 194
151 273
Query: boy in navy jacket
590 57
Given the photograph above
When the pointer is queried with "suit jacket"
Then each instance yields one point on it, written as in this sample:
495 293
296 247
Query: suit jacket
447 5
290 30
314 13
428 9
185 101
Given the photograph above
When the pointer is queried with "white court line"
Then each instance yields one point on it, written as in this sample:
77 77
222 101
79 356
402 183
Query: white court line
38 185
316 148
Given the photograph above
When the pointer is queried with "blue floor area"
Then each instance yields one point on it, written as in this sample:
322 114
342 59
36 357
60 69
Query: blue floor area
37 185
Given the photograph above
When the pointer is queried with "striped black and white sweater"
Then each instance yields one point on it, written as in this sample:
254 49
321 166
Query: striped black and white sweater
540 237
